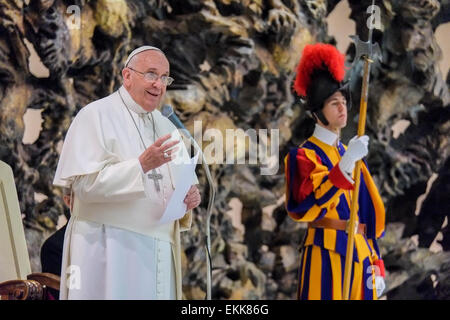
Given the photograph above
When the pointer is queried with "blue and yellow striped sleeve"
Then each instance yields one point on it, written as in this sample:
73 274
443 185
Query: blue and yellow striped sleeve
310 187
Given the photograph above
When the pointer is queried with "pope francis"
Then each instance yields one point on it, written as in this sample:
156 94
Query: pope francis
117 160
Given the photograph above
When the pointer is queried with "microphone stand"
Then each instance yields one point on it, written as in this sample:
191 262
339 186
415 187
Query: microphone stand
212 194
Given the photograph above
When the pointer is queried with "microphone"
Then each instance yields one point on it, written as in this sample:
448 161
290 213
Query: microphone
167 111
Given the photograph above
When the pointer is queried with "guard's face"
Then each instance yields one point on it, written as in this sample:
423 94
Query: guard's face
335 111
148 94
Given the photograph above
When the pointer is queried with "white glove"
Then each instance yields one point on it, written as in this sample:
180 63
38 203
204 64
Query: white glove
380 285
358 147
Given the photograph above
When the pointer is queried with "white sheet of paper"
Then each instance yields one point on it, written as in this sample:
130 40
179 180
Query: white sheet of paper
176 208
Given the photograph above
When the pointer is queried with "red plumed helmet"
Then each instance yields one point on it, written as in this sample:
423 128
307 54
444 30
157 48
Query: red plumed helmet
320 73
315 57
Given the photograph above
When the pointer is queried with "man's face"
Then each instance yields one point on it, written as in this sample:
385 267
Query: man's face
335 111
148 94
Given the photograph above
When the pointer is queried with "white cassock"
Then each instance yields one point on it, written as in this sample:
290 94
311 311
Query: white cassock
114 247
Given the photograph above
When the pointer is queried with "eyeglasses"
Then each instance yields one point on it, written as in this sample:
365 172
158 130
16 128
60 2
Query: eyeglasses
151 77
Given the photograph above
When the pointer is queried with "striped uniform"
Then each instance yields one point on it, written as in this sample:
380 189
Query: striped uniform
316 188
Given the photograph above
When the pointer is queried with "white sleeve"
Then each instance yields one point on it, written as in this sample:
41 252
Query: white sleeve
121 181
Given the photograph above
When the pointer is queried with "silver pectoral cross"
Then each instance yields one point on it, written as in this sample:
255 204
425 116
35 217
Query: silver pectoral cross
155 176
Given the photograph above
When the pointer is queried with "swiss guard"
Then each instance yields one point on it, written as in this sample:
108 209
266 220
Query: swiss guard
319 183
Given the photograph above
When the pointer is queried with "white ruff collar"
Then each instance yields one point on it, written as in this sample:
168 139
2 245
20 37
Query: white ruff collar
325 135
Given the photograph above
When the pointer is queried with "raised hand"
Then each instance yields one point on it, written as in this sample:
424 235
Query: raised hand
158 153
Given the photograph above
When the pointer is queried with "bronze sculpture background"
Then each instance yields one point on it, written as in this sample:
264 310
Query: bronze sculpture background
233 62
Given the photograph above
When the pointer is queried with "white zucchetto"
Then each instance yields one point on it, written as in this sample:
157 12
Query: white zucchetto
139 50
